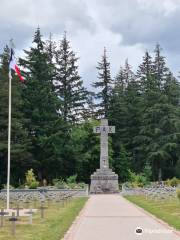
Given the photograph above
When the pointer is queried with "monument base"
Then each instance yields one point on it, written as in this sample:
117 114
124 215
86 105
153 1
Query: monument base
104 181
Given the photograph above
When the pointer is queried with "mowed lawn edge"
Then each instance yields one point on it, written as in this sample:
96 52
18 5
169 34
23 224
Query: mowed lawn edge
56 223
168 211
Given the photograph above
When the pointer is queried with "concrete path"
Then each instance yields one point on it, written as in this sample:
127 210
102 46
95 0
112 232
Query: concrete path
111 217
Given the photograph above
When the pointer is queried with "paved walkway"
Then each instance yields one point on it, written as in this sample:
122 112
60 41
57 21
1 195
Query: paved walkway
111 217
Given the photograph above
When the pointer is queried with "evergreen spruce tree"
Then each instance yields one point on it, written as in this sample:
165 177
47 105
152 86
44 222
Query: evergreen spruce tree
157 141
125 111
172 121
160 69
89 111
119 82
122 164
50 47
128 73
40 106
159 131
118 112
145 72
135 109
85 150
69 86
172 90
104 83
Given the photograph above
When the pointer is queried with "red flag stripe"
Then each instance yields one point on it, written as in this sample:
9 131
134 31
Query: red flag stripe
18 73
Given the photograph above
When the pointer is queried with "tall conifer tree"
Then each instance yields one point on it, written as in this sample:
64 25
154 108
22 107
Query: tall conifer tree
69 85
156 140
145 72
104 83
40 104
160 69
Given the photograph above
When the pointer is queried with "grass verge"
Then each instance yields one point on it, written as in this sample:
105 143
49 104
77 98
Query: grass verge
168 210
57 221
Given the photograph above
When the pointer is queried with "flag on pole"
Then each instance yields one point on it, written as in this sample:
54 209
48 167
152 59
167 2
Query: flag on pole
13 65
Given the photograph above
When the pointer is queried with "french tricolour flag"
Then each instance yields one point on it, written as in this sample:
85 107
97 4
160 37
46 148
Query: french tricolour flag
13 65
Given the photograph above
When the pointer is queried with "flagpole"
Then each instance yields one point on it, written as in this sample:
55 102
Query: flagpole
9 140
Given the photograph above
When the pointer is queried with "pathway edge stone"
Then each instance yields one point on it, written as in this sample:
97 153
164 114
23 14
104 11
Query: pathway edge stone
76 223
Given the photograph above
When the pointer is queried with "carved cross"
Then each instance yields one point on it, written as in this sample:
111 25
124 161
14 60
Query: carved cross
104 130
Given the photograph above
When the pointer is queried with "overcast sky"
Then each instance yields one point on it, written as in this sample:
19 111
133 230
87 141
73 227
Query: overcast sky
126 27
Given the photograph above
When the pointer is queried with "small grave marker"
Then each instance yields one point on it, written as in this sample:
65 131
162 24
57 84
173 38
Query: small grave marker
30 212
2 214
42 208
27 204
13 220
17 209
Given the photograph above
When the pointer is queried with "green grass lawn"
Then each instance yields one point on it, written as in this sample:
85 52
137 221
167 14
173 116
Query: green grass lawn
53 227
168 210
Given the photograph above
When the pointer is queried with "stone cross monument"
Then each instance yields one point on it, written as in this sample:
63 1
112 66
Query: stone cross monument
104 180
104 129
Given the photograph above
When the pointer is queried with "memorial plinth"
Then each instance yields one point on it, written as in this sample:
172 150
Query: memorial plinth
104 180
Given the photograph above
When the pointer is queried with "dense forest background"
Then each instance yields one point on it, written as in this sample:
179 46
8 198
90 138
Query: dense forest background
53 115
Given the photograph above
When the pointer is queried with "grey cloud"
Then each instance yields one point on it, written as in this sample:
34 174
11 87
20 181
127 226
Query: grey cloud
20 18
126 27
70 15
150 29
18 32
138 24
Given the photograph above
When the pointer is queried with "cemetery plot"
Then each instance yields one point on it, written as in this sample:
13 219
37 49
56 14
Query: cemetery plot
160 201
160 193
51 220
155 192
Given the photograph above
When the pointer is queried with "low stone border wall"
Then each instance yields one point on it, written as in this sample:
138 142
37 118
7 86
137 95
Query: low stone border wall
43 192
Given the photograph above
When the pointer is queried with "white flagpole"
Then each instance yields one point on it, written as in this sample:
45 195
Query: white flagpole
9 140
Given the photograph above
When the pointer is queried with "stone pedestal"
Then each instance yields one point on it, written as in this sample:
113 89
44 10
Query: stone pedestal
104 181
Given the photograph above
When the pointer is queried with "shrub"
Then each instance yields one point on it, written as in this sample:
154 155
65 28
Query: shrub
178 194
72 185
132 176
138 180
59 183
21 186
31 181
141 180
168 182
5 186
69 184
34 185
174 182
71 179
81 185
